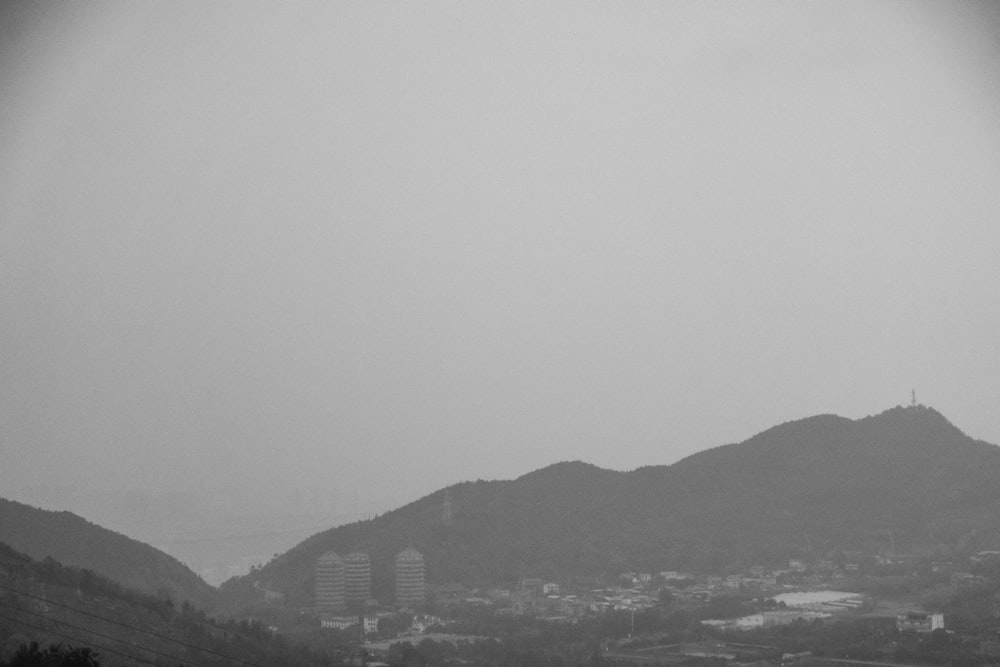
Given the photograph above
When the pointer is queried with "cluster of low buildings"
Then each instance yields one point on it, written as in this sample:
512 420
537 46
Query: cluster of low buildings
919 621
344 582
546 600
369 622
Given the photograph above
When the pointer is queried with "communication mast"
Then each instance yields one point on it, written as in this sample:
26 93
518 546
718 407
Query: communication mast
913 398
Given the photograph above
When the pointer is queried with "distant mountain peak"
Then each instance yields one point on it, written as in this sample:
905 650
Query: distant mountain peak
567 469
922 417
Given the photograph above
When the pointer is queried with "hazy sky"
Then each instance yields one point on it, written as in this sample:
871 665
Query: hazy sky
387 247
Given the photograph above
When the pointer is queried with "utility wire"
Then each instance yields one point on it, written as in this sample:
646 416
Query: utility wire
130 627
76 640
92 632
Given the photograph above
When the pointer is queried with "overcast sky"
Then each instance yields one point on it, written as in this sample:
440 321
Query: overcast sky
387 247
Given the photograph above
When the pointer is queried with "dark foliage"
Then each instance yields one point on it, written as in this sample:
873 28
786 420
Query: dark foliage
57 655
41 601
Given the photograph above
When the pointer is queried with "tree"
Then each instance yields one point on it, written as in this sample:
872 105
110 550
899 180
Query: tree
57 655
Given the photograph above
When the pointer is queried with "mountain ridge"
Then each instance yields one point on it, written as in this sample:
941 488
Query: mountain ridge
816 484
77 542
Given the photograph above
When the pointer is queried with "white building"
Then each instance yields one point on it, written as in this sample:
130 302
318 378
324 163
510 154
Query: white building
371 623
338 622
918 621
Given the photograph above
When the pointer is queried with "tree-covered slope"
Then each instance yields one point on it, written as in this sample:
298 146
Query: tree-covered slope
906 477
74 541
48 603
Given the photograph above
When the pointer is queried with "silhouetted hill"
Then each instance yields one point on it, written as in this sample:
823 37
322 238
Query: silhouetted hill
49 603
74 541
906 477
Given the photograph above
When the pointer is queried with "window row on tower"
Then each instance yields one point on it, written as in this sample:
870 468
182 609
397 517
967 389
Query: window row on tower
343 581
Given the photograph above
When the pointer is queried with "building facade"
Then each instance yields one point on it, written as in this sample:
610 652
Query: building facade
371 623
338 622
357 578
410 590
918 621
329 586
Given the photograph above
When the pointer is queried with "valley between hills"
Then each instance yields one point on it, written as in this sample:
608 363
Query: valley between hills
896 515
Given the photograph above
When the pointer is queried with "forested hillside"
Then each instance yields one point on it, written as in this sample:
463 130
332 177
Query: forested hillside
906 478
75 541
48 603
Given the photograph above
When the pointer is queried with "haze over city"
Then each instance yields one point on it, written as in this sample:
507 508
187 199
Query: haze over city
329 260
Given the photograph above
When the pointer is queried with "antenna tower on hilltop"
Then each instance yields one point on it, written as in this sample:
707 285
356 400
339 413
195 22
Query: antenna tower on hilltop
913 398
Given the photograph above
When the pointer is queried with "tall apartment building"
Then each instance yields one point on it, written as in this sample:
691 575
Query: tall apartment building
357 578
409 577
330 581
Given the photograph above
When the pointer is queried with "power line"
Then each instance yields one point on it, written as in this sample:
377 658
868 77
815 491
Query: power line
130 627
76 640
92 632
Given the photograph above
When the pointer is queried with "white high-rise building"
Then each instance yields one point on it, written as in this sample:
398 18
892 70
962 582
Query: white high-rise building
330 581
357 578
410 578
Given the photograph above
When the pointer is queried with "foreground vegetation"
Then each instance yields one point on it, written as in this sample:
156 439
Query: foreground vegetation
48 604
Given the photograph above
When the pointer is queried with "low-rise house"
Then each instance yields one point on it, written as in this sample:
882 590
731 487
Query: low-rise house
918 621
338 622
423 621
